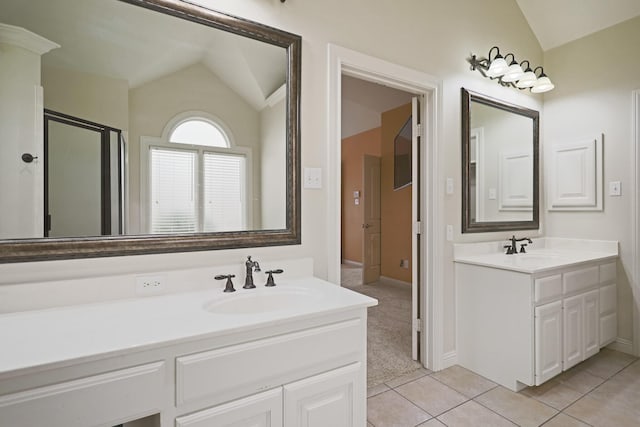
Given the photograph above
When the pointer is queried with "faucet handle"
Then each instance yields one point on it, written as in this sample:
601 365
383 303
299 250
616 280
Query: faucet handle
509 249
229 285
522 250
270 273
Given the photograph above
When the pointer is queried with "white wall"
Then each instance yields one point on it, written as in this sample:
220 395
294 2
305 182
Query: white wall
432 36
594 78
273 160
87 96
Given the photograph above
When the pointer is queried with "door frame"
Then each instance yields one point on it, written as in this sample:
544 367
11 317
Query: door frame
635 224
355 64
105 167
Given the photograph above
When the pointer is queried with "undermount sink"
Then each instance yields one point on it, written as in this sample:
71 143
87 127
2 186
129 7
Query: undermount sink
261 301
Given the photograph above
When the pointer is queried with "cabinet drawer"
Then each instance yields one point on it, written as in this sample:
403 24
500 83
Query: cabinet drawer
105 399
262 409
548 287
608 299
578 280
608 272
231 372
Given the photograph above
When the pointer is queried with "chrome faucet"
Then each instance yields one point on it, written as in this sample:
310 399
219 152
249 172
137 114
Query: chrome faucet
251 266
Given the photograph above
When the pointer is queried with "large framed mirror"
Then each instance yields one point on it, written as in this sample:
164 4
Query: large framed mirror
144 126
500 165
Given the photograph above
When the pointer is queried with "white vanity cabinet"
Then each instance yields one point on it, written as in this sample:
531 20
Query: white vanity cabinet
521 329
298 367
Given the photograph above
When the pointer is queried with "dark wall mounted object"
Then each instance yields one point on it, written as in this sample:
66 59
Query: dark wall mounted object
469 225
24 250
28 157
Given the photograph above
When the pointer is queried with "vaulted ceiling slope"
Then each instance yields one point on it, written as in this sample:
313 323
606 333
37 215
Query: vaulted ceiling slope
122 41
556 22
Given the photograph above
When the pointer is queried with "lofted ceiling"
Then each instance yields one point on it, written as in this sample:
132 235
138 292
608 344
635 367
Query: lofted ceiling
556 22
122 41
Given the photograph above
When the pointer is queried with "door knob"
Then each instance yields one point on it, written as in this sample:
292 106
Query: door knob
366 225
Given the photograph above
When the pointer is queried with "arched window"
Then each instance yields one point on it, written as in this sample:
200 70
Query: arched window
199 131
197 180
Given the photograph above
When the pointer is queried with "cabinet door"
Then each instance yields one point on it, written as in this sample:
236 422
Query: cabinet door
260 410
548 345
335 398
591 319
573 334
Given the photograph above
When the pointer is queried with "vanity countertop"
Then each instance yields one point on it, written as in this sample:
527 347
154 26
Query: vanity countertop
57 336
546 254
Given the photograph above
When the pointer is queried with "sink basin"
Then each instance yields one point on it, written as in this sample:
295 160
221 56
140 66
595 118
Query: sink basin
261 301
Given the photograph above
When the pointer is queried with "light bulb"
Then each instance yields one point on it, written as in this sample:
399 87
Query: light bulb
498 67
543 84
528 79
514 72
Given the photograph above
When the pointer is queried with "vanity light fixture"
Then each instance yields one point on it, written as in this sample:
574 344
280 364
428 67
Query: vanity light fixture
512 73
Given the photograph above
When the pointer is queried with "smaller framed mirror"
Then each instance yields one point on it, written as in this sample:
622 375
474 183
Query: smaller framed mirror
500 165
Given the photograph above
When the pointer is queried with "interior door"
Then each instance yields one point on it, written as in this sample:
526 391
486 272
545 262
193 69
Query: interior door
83 177
74 176
416 141
371 219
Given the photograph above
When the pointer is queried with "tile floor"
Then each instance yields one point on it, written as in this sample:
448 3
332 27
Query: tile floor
603 391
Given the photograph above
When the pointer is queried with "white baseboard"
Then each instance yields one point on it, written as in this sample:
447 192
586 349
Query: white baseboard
623 345
396 281
352 263
449 359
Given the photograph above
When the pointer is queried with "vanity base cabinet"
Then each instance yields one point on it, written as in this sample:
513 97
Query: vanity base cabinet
520 329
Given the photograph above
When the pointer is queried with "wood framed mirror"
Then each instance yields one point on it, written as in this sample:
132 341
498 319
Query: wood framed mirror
500 165
202 118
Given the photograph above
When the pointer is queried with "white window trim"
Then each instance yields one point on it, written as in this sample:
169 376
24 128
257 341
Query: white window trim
146 142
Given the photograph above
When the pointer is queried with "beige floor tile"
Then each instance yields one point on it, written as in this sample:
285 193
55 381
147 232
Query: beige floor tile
554 394
562 420
464 381
603 413
377 389
580 380
520 409
432 423
419 373
607 363
472 414
389 409
369 424
431 395
623 391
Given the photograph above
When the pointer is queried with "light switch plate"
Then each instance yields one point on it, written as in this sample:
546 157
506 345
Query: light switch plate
492 194
449 185
312 178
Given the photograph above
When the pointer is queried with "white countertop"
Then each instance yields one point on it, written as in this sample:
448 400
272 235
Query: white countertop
545 254
46 338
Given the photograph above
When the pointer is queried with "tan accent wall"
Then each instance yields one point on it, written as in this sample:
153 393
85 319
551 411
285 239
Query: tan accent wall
396 205
353 150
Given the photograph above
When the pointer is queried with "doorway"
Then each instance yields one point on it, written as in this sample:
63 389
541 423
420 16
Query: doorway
377 230
427 227
83 177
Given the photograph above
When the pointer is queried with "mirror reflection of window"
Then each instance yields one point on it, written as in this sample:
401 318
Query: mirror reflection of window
193 188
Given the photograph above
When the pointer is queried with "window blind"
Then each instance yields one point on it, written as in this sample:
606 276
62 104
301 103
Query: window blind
173 191
224 190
